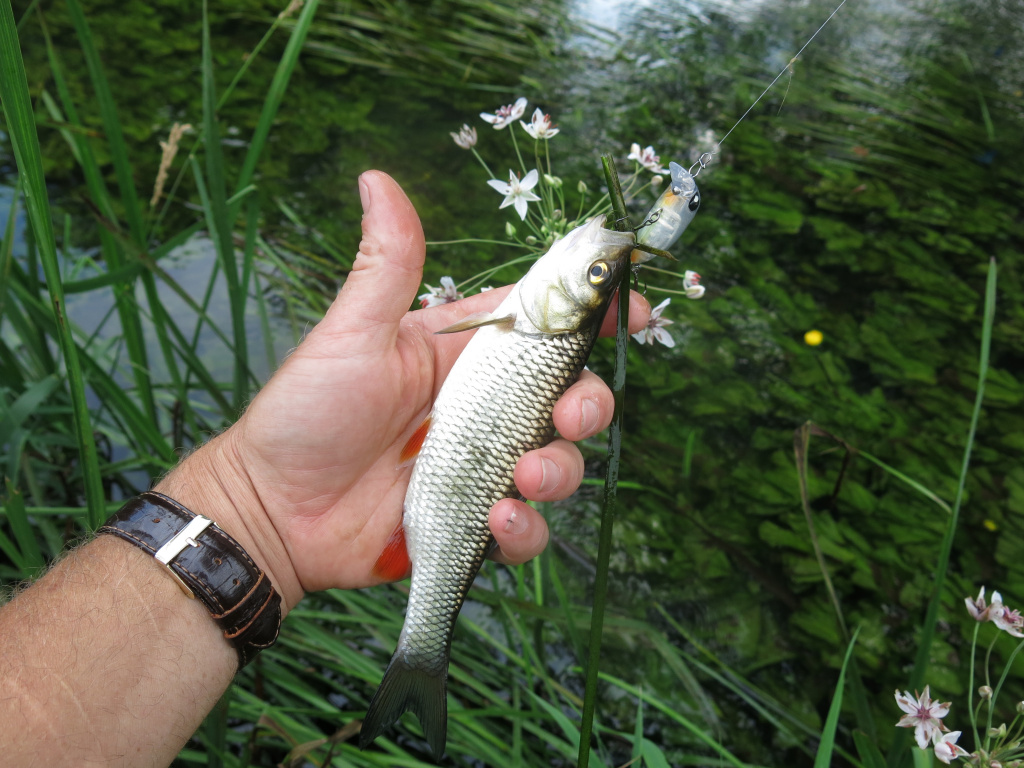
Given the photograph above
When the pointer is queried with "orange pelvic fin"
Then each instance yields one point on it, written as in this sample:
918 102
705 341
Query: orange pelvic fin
414 444
393 563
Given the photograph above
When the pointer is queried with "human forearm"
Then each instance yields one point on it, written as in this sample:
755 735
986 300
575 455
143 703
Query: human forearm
105 661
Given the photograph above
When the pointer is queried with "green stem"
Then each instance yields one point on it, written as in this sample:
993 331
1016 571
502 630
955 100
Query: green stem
604 546
481 160
970 686
932 615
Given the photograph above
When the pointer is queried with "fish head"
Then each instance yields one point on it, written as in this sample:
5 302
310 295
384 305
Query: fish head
675 210
571 285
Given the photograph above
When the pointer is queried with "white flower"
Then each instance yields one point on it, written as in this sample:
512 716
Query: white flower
946 747
923 715
691 284
445 294
517 192
1005 618
646 158
655 328
506 115
540 126
466 137
978 609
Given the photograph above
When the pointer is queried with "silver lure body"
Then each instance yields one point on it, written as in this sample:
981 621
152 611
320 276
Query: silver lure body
495 405
675 208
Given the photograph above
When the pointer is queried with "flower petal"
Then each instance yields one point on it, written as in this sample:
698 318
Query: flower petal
663 336
502 187
529 180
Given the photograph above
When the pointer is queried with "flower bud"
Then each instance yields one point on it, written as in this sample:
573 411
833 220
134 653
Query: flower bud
1020 707
510 230
985 692
552 181
581 187
656 181
531 240
556 214
997 733
465 138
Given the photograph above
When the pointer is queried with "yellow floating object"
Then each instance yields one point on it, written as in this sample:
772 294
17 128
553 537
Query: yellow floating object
814 338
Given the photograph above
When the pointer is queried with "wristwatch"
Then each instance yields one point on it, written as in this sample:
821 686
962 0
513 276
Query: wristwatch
207 564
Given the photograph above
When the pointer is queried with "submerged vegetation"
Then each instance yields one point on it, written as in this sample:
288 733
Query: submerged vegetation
779 496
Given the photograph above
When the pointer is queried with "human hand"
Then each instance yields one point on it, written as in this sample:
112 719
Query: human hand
308 479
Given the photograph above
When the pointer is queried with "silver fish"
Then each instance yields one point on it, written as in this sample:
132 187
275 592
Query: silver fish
495 405
676 208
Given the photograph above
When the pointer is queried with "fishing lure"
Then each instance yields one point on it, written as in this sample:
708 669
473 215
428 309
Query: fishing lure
671 214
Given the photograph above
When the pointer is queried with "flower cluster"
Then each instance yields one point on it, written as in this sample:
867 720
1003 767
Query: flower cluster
1008 620
1002 745
538 197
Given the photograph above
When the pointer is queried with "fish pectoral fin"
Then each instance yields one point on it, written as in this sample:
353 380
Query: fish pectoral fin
479 320
412 447
393 563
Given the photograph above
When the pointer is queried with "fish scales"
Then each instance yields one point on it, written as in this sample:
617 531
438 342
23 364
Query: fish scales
496 404
466 466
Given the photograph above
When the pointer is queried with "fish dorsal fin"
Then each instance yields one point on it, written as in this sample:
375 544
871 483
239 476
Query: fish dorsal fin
414 444
393 563
479 320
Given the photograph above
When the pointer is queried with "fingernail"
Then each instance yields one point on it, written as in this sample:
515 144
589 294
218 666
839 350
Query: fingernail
364 196
550 475
589 414
516 523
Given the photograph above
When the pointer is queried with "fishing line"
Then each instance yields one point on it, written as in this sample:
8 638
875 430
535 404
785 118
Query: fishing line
705 159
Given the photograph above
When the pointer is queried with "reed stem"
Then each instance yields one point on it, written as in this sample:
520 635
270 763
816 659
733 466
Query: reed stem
611 479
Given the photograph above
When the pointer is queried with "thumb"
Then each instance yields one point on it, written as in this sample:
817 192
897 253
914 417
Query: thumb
389 266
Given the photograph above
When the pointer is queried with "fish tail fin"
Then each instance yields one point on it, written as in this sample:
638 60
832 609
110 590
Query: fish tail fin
407 687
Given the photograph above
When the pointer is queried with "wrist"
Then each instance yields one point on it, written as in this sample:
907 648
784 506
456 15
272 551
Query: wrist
212 483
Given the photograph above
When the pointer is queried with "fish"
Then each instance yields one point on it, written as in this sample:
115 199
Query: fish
495 405
675 210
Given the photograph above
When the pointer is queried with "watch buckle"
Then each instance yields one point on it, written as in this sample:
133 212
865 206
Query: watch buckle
174 546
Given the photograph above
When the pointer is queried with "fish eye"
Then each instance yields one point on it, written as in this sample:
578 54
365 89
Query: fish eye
695 202
599 272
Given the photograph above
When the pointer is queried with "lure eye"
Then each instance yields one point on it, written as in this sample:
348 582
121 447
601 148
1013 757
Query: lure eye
695 202
599 272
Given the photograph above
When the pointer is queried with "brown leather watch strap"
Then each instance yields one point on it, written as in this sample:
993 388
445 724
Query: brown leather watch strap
208 564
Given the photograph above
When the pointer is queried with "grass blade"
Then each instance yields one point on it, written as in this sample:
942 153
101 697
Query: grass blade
214 195
828 735
931 619
276 92
21 126
111 124
32 563
113 256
